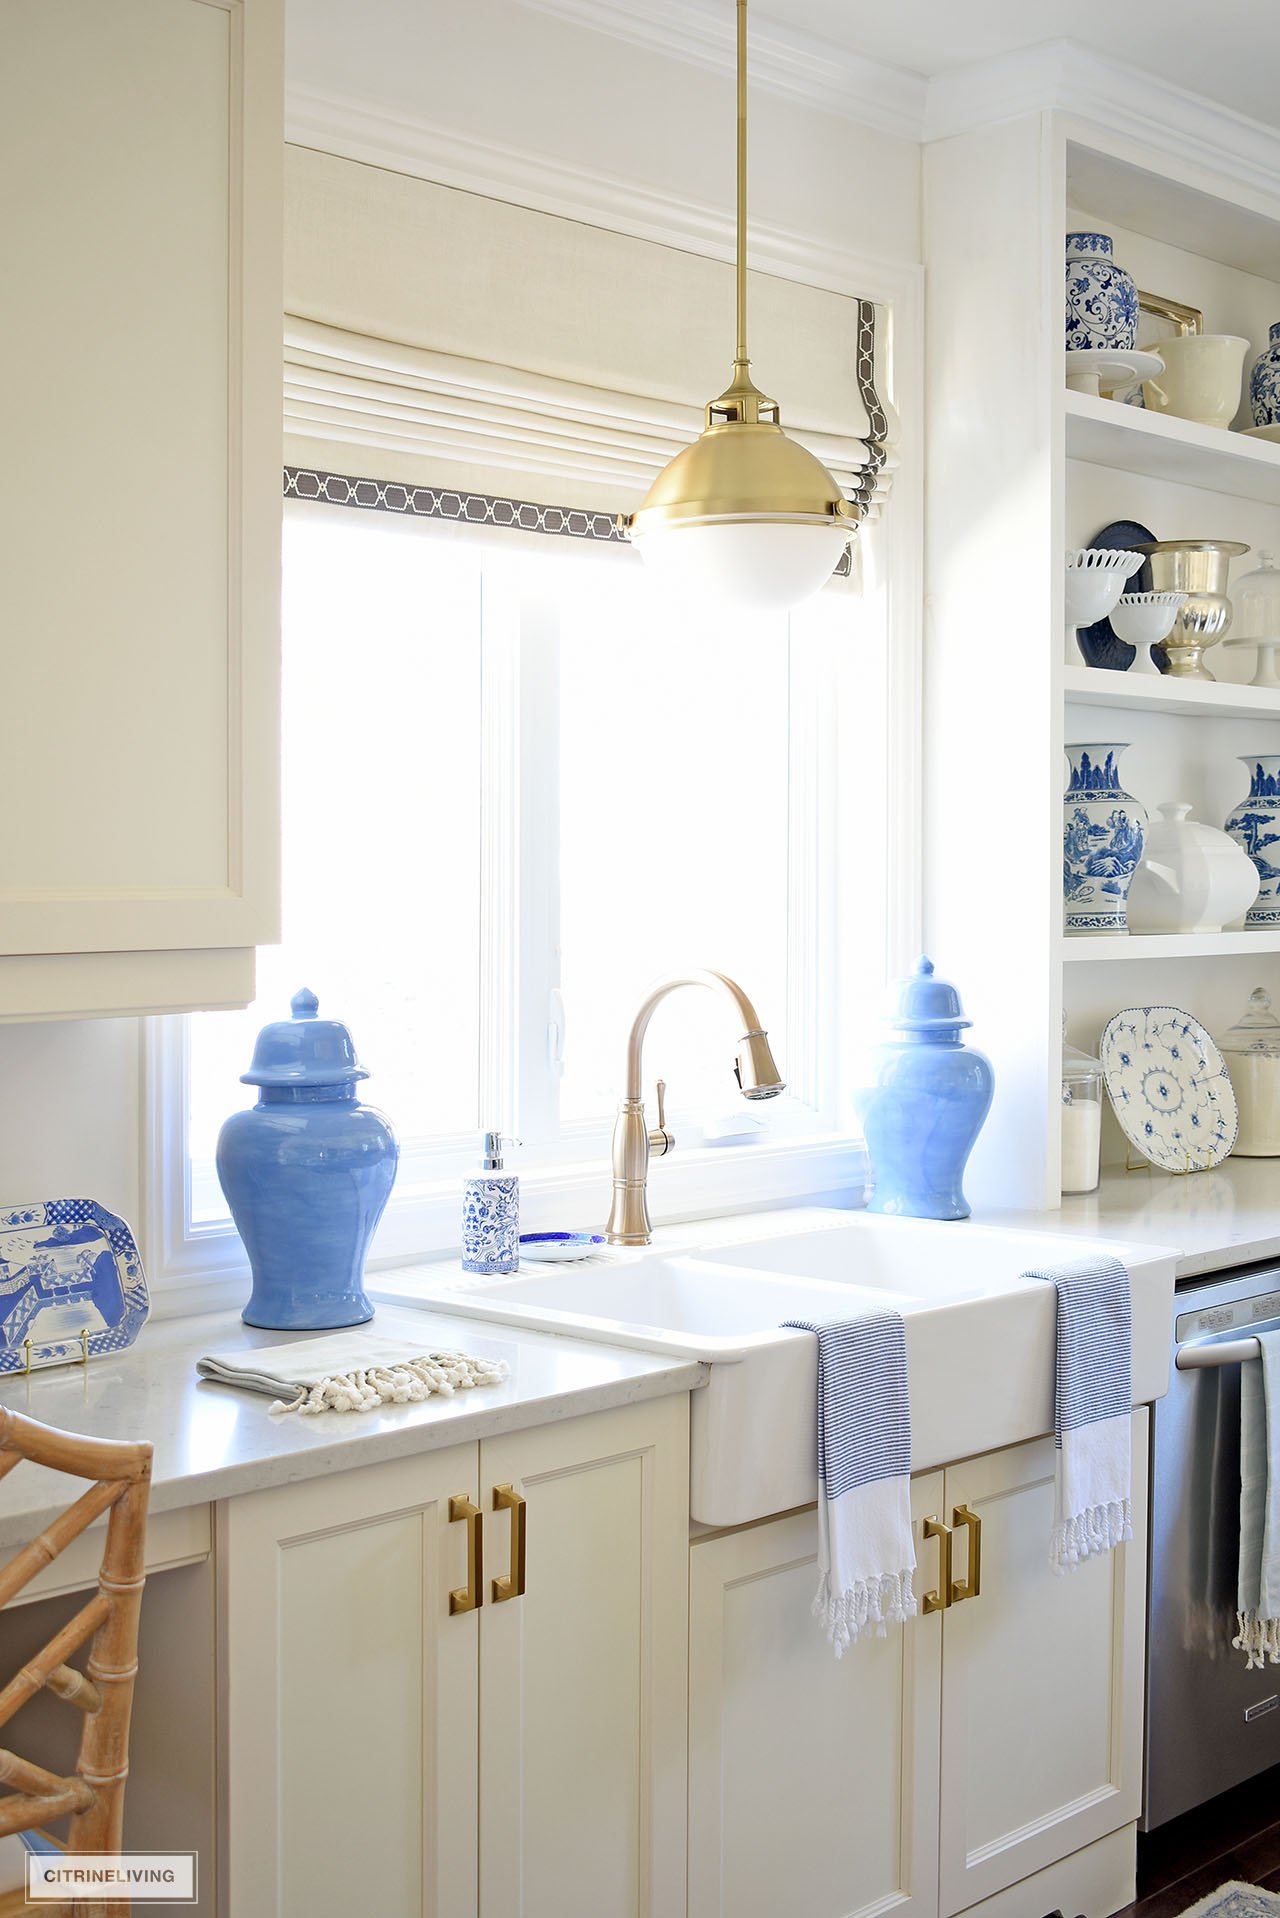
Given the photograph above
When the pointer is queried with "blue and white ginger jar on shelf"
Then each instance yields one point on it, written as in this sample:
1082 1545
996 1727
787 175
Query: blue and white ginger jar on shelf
1102 300
306 1173
1255 825
1101 842
926 1106
1264 382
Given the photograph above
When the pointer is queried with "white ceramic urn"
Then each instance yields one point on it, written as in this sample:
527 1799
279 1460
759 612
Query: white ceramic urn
1191 878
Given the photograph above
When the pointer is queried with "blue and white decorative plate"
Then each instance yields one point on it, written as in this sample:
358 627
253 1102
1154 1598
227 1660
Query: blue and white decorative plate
72 1285
560 1248
1169 1086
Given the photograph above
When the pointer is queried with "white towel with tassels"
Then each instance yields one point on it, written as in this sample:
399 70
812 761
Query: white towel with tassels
1258 1594
1093 1408
866 1555
350 1371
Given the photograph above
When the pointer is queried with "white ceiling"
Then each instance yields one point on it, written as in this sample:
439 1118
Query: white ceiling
1228 50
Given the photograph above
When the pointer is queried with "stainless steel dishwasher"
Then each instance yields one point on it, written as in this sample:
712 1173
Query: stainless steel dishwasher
1210 1722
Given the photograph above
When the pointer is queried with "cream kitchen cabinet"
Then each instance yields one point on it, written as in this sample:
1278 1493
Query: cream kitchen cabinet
969 1751
386 1744
141 143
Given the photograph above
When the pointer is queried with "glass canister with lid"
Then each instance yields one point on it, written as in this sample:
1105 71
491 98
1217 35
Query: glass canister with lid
1252 1053
1081 1117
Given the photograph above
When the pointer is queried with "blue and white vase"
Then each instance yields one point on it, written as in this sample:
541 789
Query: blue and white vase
306 1173
1102 300
926 1105
1264 382
1255 825
1101 841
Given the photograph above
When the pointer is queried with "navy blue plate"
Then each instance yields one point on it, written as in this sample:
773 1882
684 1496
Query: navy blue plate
1099 642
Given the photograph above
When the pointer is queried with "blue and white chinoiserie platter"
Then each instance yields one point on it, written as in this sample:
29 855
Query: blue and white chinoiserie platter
1169 1086
71 1284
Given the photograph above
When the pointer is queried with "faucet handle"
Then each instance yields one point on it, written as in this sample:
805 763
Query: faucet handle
661 1141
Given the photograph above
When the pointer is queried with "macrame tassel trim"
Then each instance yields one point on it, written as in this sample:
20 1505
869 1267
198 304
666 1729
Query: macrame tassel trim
1259 1638
365 1389
867 1609
1100 1528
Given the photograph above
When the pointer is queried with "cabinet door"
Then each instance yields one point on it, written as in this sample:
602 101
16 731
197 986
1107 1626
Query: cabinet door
582 1677
1041 1681
348 1739
813 1783
140 495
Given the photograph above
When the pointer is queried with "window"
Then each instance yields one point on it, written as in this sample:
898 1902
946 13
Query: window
516 789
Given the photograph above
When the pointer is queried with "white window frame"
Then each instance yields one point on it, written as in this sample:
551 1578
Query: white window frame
196 1267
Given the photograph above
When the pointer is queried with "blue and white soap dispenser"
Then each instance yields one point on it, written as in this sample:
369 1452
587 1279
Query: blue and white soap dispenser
491 1213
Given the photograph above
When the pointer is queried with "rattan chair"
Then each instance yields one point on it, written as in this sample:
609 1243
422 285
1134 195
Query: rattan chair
93 1794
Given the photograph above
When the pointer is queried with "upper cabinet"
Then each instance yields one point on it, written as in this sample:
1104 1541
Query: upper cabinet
141 141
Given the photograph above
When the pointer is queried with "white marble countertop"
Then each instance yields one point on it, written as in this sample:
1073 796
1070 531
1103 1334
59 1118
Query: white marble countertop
1214 1220
214 1441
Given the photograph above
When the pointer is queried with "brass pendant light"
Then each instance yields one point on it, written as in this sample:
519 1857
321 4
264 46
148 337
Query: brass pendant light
744 516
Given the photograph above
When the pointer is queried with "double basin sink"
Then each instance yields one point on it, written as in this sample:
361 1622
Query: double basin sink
980 1334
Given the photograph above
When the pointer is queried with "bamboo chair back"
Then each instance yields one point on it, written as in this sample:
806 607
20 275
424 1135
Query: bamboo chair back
93 1794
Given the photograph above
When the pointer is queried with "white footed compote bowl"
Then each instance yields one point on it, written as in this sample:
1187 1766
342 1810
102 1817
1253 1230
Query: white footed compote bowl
1095 580
1142 620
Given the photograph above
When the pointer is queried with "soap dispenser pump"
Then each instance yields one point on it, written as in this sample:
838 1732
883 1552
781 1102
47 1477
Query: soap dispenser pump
491 1213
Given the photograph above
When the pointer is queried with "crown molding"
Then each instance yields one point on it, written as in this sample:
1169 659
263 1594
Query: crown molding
1167 120
358 130
833 79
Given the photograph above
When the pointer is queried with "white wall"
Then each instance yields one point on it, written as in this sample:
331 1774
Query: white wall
487 73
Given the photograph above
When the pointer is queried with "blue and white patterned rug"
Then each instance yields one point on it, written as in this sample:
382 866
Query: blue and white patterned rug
1235 1900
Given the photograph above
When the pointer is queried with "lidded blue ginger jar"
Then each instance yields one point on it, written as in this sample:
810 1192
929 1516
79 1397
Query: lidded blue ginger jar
926 1107
307 1173
1102 300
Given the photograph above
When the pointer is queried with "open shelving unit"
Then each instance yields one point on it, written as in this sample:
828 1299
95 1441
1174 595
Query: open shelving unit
1019 470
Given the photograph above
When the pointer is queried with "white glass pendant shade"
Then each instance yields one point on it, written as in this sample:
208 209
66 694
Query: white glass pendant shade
742 565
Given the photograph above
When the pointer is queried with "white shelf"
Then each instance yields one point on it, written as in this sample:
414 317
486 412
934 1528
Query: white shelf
1104 433
1092 686
1109 947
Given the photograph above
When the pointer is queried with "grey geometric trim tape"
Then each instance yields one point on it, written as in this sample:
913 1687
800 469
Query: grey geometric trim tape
472 509
439 502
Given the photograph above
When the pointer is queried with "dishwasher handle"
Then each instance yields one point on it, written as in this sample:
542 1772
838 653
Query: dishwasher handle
1203 1357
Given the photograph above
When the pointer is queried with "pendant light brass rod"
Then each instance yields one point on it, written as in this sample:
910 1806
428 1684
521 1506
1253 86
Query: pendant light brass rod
742 184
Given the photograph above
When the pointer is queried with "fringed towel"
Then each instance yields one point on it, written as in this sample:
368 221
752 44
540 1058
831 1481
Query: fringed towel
351 1371
865 1550
1093 1406
1258 1591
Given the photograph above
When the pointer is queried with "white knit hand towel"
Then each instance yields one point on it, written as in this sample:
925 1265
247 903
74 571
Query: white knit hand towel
866 1554
350 1371
1093 1406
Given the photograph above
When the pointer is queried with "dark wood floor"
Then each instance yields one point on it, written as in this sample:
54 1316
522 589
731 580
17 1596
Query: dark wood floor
1235 1836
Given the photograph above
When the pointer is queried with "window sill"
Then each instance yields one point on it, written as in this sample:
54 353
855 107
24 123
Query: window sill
211 1271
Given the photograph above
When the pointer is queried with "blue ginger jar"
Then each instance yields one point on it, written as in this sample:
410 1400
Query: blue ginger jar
1255 825
1102 841
306 1173
1102 300
1264 382
926 1106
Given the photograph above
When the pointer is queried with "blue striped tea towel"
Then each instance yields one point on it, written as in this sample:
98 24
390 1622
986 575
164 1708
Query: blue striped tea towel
1092 1409
865 1551
1258 1596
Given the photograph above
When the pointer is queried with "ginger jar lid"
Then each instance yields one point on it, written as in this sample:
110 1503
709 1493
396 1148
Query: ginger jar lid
926 1004
1257 1031
304 1050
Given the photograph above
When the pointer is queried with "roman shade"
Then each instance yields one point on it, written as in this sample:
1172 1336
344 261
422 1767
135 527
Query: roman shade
436 337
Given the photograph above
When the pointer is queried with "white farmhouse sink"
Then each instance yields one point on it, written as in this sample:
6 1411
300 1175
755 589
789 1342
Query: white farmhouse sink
980 1336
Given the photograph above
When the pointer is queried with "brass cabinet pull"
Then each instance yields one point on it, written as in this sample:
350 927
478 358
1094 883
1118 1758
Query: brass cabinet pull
469 1597
938 1601
970 1587
512 1586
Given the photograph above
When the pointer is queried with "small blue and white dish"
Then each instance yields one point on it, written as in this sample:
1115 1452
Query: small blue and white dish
560 1248
72 1287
